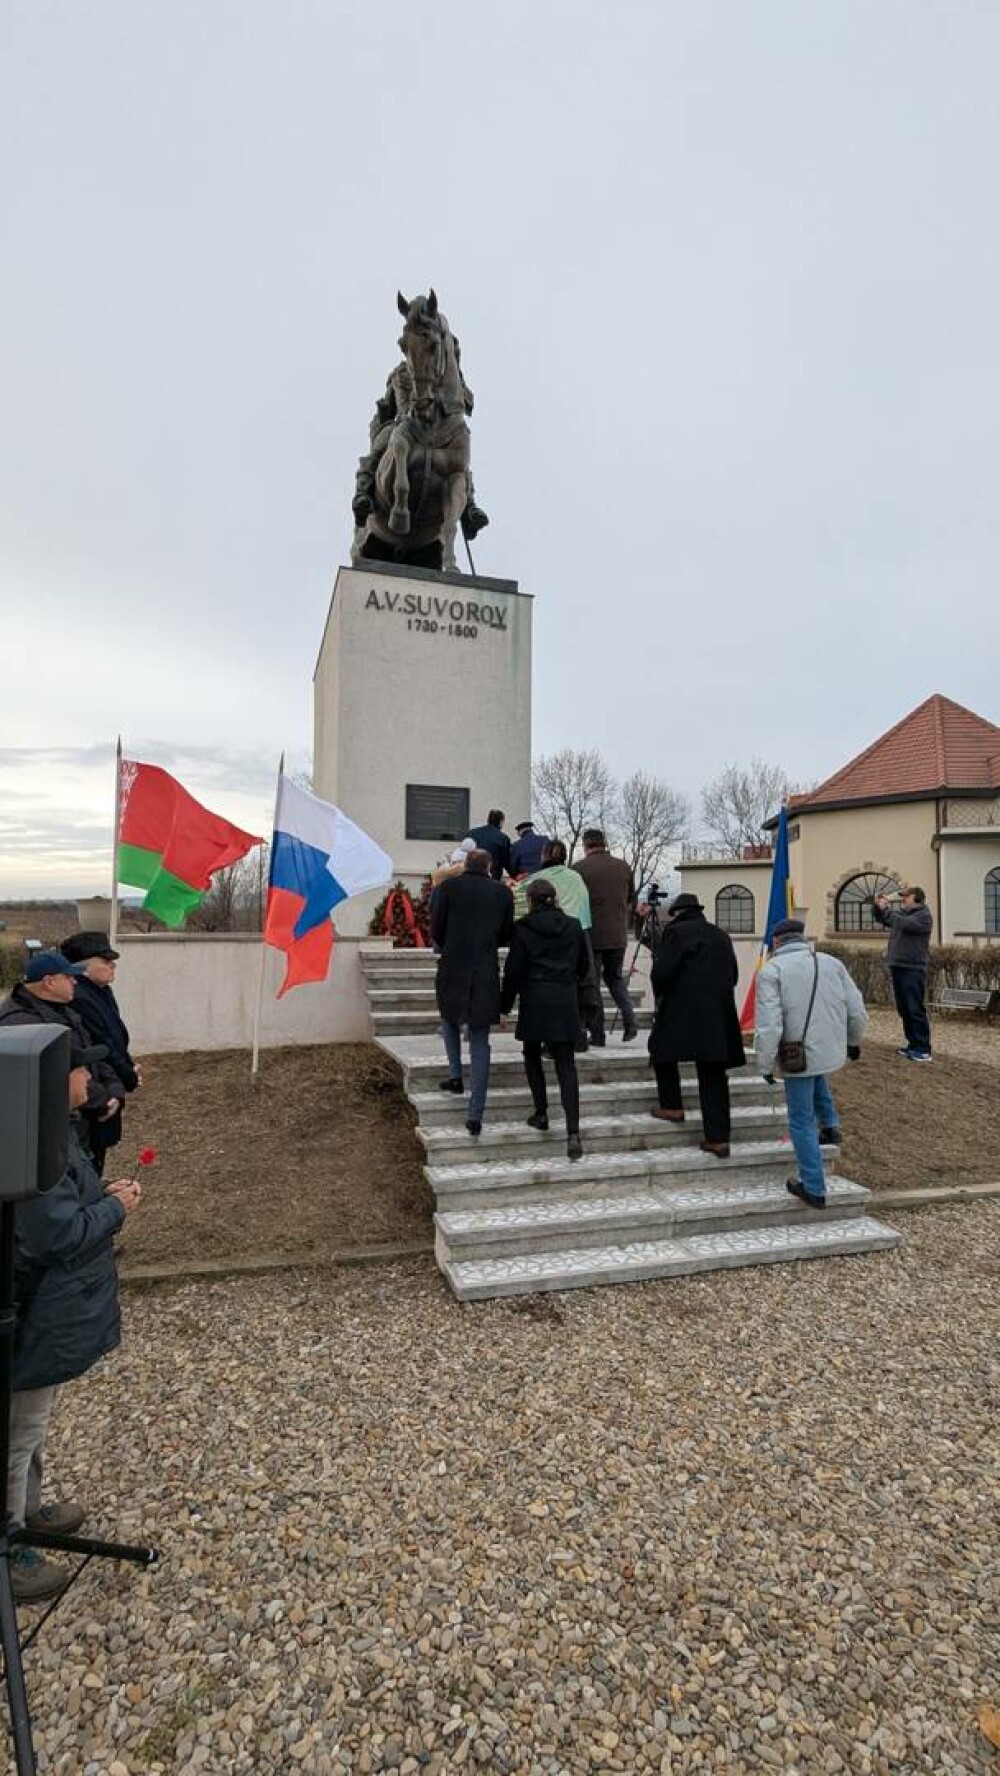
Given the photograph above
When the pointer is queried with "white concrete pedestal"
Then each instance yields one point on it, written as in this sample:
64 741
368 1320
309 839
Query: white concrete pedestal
422 697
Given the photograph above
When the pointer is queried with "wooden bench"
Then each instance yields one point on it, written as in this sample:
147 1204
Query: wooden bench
965 999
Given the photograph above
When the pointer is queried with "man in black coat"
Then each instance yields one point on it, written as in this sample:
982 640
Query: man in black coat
46 996
66 1288
547 963
471 918
694 977
493 839
94 1003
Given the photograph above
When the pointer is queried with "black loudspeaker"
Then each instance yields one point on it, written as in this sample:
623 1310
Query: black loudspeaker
34 1109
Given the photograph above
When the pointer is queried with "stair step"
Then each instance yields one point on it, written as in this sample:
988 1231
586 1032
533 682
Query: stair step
427 1023
409 997
551 1222
422 1060
473 1184
621 1134
577 1267
437 1109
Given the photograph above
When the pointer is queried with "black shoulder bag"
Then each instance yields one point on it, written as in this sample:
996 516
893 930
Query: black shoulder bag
792 1055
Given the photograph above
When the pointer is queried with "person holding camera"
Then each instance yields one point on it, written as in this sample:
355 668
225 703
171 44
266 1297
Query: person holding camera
810 1020
68 1317
909 926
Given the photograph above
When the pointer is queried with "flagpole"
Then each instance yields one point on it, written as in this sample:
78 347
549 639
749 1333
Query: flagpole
113 932
255 1048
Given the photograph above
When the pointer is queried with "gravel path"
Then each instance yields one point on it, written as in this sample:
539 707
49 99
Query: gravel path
740 1522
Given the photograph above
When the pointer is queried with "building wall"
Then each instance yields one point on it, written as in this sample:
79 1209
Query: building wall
965 862
834 845
179 991
706 879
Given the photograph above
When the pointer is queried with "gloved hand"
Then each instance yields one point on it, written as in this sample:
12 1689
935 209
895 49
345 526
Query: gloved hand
854 1054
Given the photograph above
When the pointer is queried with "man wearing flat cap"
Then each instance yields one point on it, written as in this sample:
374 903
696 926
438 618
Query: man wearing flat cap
95 1005
45 996
808 999
694 979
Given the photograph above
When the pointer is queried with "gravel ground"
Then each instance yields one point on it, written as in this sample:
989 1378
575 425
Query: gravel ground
968 1038
738 1522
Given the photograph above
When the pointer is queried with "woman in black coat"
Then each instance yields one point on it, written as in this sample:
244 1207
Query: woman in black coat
694 978
547 962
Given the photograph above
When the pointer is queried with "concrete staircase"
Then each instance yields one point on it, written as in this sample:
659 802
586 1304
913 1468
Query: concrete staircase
515 1216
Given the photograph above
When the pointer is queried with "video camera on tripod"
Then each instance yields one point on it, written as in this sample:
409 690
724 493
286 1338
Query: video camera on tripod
34 1155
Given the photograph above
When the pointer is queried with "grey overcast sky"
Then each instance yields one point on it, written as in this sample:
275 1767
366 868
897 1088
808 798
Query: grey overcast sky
727 280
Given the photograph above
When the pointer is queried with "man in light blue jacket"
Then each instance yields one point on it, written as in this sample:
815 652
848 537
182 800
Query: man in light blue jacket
804 996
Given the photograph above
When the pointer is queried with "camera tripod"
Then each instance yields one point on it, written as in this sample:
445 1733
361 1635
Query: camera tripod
650 932
11 1536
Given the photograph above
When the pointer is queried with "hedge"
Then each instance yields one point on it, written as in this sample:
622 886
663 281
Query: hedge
949 965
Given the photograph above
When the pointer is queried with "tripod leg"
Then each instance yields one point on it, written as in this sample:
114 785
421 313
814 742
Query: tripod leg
17 1695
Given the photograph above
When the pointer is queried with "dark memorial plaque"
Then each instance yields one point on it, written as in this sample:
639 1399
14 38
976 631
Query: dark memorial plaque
435 811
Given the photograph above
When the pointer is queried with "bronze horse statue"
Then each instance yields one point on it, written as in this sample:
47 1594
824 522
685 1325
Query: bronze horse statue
414 486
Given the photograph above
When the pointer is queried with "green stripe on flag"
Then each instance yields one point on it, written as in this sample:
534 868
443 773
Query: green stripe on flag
167 897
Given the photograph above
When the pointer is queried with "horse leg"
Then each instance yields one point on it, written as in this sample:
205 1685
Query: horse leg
453 507
399 517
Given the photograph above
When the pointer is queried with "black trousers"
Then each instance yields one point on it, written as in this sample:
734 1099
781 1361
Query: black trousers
569 1086
609 964
909 986
590 1002
713 1090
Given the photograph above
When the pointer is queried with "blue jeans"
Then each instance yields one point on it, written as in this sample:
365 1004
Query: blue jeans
479 1063
810 1108
909 986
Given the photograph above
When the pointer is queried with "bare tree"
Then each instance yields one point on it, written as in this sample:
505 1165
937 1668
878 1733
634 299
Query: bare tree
235 900
649 817
737 802
572 790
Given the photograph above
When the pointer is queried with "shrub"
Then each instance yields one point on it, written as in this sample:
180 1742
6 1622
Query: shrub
949 965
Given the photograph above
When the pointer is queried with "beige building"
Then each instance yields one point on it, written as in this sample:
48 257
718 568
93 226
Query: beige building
919 806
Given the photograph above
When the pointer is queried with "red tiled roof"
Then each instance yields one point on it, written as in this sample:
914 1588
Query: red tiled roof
937 747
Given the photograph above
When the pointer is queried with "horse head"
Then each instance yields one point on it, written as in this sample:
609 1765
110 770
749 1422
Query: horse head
425 342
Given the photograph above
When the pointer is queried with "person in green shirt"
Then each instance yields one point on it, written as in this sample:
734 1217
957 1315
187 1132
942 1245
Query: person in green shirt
572 898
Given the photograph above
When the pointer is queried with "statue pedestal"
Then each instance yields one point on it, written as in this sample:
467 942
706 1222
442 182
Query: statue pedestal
422 712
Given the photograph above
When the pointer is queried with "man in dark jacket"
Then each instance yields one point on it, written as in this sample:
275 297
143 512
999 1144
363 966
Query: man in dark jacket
66 1288
45 996
493 839
526 851
694 978
547 963
471 917
909 926
94 1003
612 904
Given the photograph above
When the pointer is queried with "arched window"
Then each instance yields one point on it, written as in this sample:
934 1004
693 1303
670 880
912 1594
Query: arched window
993 903
734 909
852 909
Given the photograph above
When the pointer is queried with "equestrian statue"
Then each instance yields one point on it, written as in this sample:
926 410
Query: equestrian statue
414 487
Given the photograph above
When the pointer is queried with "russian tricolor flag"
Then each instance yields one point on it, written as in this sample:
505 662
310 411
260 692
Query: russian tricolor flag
318 858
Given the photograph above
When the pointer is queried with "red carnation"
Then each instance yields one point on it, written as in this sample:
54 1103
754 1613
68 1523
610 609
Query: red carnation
147 1156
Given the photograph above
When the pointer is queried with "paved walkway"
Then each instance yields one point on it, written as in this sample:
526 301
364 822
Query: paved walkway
742 1521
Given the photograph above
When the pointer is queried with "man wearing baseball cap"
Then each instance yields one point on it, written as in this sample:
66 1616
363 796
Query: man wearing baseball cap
45 996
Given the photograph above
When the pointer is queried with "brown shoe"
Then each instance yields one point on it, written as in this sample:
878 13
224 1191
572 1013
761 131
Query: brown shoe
667 1115
720 1149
